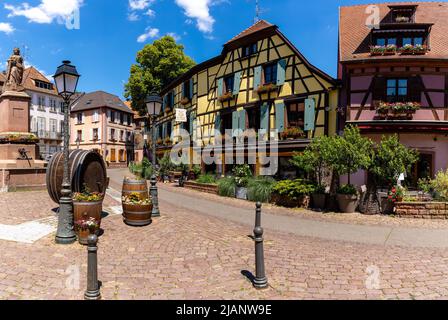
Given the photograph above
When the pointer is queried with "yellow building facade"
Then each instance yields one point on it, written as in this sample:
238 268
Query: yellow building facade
261 82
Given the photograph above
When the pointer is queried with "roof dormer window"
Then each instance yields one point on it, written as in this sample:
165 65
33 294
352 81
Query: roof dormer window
403 14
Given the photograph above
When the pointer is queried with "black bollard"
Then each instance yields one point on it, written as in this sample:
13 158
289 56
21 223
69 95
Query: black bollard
154 197
260 281
93 287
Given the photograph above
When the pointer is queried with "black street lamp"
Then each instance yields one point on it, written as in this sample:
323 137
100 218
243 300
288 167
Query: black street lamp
66 80
154 106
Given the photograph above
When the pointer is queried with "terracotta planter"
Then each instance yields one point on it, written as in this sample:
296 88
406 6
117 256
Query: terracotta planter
319 201
83 236
347 203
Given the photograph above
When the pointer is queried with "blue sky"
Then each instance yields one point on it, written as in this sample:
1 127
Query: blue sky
112 31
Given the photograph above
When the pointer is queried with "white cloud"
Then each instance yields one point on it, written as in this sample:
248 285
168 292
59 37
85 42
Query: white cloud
6 28
149 34
199 10
132 16
46 11
174 35
140 4
150 13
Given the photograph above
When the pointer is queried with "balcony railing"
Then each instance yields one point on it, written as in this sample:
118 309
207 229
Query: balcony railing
49 135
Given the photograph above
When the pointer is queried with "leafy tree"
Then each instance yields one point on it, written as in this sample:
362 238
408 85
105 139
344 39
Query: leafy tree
157 65
351 152
316 158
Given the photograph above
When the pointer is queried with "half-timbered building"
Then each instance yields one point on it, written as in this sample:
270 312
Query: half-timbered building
260 81
393 63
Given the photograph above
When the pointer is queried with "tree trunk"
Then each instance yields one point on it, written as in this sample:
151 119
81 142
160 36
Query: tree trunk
370 203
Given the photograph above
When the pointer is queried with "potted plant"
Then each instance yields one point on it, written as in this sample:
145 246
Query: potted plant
266 88
292 134
85 227
412 107
88 204
399 109
159 141
377 50
319 197
227 96
292 193
168 141
242 173
347 197
185 101
383 110
390 49
137 210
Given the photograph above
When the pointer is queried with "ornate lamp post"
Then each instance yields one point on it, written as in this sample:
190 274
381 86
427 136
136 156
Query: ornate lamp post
66 80
154 106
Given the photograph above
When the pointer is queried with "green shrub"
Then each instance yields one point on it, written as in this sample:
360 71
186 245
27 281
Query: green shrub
440 185
242 174
206 179
347 189
136 169
147 169
294 189
260 189
227 187
196 170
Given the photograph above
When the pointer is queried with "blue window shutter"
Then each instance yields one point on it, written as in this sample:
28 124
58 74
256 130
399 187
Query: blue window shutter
235 122
192 119
242 120
310 114
164 103
237 83
280 116
184 93
264 116
164 130
257 77
281 72
220 86
172 99
191 88
218 121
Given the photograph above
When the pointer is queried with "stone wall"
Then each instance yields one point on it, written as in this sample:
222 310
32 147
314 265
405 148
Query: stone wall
422 210
22 179
208 188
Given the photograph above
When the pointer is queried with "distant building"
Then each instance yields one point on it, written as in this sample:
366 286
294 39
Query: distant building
141 134
46 111
101 121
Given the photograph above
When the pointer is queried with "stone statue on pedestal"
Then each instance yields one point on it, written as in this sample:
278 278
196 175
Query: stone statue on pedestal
14 73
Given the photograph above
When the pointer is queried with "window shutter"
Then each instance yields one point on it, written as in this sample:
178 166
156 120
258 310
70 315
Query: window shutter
242 120
220 87
237 83
99 133
257 77
264 116
165 99
108 115
379 89
172 100
191 88
310 114
83 115
281 72
415 89
218 122
184 92
164 130
192 119
280 116
235 122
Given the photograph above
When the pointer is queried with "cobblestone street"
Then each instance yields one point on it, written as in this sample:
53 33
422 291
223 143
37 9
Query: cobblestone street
189 255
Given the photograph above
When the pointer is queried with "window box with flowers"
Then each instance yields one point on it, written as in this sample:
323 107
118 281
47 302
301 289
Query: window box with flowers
402 19
185 101
388 50
159 142
410 49
266 88
397 110
227 96
292 134
168 142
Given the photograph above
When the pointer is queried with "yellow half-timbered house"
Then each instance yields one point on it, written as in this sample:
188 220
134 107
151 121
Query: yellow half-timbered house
260 81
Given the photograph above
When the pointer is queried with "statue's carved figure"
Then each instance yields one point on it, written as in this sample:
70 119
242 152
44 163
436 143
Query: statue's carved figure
14 73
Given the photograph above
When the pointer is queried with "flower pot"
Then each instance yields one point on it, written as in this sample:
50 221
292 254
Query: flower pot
241 193
83 236
347 203
137 215
83 210
319 201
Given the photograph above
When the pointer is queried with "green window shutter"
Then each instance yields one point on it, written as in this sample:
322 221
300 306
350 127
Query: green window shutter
220 86
264 116
191 88
242 120
281 72
280 116
235 122
310 114
184 93
257 77
218 122
237 83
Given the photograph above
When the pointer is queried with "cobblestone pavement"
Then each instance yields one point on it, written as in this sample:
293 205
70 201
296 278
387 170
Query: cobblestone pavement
185 255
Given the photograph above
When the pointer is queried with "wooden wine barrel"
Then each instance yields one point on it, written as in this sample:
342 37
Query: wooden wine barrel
136 215
86 167
135 186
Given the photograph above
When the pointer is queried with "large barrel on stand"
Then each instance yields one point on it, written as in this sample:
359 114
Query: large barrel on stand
137 215
86 168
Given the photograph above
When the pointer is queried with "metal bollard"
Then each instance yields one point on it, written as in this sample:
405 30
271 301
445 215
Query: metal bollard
154 197
260 281
93 287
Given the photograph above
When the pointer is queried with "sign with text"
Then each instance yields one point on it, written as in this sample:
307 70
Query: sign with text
181 115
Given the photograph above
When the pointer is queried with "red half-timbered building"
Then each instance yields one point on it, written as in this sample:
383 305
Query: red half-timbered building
394 72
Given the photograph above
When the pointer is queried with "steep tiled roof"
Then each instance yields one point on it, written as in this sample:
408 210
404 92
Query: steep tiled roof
258 26
136 113
30 75
99 99
354 34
